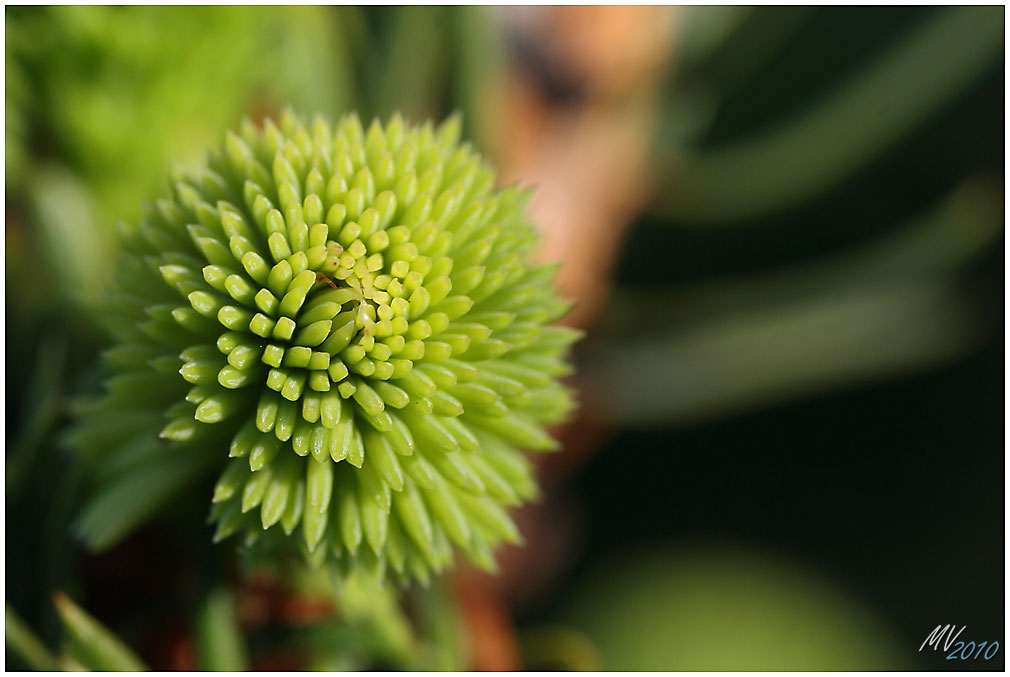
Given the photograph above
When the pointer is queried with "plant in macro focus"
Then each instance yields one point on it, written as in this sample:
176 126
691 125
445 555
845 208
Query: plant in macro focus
345 326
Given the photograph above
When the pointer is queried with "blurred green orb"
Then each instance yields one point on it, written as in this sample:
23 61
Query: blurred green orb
726 609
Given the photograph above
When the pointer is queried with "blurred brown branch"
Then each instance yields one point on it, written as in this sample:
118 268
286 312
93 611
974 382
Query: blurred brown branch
587 155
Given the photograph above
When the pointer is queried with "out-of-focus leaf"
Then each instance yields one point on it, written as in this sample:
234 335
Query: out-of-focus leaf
42 395
16 96
702 30
92 644
124 504
961 227
765 356
734 45
719 347
219 638
479 65
68 664
77 247
312 43
412 74
368 603
862 119
19 638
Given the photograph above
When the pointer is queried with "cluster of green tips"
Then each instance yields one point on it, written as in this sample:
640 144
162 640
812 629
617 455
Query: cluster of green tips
351 318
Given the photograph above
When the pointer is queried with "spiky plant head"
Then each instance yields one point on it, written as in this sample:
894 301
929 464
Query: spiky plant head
347 326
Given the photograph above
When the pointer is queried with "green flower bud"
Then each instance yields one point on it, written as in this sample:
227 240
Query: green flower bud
344 325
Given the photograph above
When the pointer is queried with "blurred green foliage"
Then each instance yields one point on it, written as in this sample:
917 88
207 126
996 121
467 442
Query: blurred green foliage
117 95
864 115
763 123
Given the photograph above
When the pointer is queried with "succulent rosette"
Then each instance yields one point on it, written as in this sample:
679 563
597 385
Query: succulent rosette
345 324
